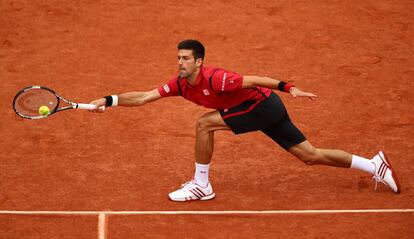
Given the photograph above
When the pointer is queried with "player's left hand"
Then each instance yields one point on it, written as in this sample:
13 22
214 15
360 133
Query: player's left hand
295 92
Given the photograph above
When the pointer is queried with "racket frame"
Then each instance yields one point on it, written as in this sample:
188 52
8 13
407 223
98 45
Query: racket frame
71 105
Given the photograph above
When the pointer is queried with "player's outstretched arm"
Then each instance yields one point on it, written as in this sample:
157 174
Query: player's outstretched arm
254 81
130 99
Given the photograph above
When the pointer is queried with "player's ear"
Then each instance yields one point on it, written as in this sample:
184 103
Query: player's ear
199 62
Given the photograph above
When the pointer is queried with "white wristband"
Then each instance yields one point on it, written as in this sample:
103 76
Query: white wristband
114 100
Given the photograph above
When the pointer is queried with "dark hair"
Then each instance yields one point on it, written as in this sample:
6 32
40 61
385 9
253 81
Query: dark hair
196 46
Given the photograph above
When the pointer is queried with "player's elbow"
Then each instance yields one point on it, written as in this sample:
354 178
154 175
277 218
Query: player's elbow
142 100
149 96
139 101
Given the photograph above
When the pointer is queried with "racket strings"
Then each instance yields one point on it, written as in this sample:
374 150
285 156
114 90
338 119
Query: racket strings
29 101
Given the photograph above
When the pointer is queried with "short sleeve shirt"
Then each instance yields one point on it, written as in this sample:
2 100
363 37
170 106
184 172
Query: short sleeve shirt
214 88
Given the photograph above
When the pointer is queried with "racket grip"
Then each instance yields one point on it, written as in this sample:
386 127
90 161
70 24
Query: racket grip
88 107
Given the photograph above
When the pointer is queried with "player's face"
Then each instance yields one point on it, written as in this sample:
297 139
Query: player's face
187 65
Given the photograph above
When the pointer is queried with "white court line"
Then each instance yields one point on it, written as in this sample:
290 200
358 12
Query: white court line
100 213
102 226
102 218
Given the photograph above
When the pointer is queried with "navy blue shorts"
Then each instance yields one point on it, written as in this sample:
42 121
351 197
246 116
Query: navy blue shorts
269 116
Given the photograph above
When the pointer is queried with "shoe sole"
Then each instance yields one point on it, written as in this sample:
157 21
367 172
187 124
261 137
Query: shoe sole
394 175
208 197
205 198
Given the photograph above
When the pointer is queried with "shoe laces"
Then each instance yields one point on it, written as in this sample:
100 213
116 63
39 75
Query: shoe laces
377 179
187 184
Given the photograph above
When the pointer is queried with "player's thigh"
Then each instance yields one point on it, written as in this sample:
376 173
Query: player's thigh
211 121
286 134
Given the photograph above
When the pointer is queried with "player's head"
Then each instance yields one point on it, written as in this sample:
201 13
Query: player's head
190 57
194 45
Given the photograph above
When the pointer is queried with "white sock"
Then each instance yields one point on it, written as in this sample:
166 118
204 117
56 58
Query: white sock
201 174
362 164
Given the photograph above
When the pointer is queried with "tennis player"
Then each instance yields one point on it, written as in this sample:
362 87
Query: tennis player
241 104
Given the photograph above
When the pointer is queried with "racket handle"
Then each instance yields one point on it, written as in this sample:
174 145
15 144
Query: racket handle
88 107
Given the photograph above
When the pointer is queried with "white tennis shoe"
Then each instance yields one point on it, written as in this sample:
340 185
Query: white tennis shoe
191 191
384 172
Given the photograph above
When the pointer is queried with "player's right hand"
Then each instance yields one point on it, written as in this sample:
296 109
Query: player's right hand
100 105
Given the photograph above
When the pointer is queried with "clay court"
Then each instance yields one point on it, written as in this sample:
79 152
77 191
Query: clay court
82 175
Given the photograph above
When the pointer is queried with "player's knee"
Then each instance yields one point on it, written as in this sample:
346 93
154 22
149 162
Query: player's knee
202 124
309 160
311 157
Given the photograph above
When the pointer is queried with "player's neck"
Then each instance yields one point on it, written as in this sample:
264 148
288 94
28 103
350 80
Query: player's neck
192 79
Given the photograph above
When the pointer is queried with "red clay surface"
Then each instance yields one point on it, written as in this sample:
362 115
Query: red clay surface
62 227
262 226
357 56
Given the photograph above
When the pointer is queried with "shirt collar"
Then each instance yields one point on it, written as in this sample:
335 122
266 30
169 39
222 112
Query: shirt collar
198 79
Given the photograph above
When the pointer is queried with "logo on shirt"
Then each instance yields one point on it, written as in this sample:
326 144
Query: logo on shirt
166 88
205 91
223 81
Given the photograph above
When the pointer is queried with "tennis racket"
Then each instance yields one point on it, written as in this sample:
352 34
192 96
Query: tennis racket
28 100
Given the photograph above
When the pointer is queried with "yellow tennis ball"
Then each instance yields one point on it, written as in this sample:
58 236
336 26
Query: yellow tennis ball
44 110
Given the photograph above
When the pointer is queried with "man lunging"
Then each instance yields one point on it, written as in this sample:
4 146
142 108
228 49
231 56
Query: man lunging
241 104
